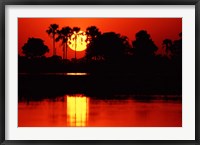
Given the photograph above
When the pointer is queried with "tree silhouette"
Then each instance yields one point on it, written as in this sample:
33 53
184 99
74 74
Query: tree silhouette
64 34
93 34
167 44
34 47
76 33
108 46
177 47
143 46
114 46
52 31
174 48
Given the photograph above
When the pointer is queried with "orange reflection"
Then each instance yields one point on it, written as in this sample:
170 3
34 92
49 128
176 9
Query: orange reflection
77 110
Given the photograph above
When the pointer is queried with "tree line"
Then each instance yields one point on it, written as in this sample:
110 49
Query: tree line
102 46
110 59
110 51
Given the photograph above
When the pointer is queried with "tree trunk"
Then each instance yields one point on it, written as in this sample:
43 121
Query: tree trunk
63 51
75 45
54 49
66 51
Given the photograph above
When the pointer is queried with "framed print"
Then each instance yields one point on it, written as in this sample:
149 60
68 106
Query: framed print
99 72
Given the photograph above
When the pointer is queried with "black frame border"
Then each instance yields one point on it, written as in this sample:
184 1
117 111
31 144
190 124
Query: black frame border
3 3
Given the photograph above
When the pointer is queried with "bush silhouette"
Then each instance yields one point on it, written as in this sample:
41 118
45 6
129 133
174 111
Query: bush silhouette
34 47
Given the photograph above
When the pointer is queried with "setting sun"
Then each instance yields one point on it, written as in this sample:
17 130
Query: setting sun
77 41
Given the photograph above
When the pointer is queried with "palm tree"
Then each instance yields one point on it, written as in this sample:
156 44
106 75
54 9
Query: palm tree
64 34
167 43
92 34
76 33
52 31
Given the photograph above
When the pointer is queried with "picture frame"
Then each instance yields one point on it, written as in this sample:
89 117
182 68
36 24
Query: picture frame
3 5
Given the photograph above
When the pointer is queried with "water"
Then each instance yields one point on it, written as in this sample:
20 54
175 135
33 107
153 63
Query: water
60 74
81 110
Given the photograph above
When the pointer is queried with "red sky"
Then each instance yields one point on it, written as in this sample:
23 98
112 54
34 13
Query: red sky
158 28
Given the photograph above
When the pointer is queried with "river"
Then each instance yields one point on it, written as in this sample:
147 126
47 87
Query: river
72 110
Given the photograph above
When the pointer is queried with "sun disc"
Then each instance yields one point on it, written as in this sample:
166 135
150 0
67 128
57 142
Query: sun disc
77 41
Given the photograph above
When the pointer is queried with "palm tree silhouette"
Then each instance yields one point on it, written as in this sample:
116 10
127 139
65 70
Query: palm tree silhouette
52 31
167 43
76 33
92 34
64 34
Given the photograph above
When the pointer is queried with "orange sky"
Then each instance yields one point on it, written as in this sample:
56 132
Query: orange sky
158 28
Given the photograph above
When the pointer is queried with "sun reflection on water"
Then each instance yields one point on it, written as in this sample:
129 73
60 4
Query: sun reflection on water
76 74
77 110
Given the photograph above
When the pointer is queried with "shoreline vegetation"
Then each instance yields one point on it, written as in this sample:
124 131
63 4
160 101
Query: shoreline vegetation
38 84
112 65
